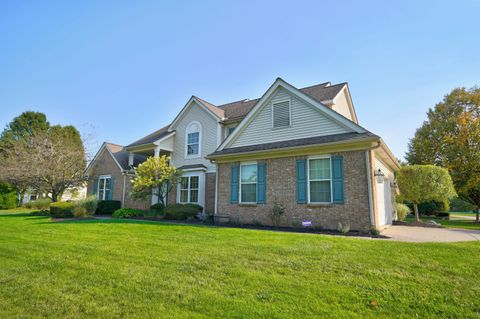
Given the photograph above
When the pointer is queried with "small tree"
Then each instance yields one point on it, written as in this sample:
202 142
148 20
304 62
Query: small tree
422 183
155 174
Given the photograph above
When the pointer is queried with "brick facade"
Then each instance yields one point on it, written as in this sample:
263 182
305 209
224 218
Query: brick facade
281 188
106 165
210 192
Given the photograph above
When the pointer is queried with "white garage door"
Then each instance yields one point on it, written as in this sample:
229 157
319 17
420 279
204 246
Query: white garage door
384 196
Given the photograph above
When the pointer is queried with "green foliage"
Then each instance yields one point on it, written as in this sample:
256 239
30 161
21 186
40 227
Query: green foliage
459 205
276 214
402 211
108 206
155 174
90 204
41 203
8 196
159 208
422 183
451 138
62 209
127 213
182 211
24 126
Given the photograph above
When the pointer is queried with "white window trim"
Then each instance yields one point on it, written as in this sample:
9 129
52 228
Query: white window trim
188 189
187 131
289 109
104 177
308 178
240 182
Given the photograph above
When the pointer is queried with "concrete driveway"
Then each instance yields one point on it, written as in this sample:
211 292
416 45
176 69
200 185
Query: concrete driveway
429 234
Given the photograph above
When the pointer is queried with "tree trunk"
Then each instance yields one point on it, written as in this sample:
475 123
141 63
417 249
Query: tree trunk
21 196
415 209
54 197
477 218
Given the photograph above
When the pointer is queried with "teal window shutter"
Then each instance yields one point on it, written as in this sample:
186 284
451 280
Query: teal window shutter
110 193
261 182
337 179
95 186
234 184
302 181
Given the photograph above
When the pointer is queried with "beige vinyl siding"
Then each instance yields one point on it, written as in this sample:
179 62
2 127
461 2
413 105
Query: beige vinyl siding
306 121
208 137
340 105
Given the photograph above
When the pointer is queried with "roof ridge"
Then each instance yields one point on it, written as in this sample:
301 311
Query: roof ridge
324 84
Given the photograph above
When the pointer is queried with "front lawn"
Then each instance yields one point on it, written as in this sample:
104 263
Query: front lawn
122 268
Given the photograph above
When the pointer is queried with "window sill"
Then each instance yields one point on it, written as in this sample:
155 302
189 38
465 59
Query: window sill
321 205
247 204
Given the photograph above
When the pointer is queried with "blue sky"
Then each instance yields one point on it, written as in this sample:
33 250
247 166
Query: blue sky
121 70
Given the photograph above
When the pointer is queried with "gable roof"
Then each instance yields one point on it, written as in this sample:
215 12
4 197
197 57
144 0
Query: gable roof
279 82
152 137
207 106
320 92
119 155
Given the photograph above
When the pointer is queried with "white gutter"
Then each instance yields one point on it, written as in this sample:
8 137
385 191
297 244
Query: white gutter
216 189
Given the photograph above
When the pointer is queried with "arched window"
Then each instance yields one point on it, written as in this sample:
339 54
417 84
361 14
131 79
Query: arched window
193 140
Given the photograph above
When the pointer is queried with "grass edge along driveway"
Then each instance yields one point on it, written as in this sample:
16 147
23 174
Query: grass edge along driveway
119 268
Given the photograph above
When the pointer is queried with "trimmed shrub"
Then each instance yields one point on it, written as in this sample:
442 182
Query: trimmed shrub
62 209
430 208
108 206
127 213
90 203
182 211
41 203
159 208
402 211
8 197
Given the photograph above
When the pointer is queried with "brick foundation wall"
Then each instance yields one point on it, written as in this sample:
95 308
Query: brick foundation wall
281 188
210 192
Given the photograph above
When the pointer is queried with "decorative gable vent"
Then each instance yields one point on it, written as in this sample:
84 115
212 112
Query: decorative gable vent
281 114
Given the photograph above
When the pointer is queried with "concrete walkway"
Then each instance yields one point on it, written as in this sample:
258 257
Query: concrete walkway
429 234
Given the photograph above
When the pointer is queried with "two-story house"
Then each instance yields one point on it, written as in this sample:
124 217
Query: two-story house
301 148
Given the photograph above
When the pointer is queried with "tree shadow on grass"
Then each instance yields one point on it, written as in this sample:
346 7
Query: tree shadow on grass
125 221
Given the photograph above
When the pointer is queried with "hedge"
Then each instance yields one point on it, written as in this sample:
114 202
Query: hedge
108 206
182 211
127 213
62 209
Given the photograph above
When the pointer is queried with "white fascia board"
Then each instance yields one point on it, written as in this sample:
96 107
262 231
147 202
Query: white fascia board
185 109
340 119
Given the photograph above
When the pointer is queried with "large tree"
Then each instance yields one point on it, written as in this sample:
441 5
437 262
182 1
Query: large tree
16 145
450 137
423 183
40 156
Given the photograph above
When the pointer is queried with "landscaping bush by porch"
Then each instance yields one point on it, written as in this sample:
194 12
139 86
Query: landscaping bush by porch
127 213
182 211
62 209
108 206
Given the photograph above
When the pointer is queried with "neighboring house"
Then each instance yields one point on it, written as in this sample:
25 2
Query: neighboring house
302 148
74 193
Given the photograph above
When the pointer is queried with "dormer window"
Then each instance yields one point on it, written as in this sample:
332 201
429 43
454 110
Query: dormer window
281 114
193 136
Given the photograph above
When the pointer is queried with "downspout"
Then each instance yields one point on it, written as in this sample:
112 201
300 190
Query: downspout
216 189
369 184
124 185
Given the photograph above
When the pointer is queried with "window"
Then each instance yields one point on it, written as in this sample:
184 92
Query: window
320 180
230 130
248 183
193 140
189 189
281 114
104 187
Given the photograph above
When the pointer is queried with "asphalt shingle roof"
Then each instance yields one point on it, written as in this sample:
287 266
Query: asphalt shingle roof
317 140
121 155
152 137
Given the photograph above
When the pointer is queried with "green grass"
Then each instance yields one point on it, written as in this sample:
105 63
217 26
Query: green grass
465 224
121 269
